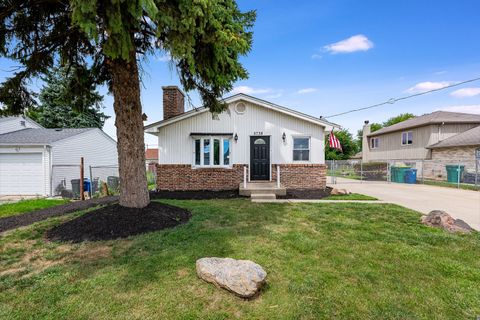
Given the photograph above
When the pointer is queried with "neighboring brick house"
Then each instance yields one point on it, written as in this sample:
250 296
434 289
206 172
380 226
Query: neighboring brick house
249 142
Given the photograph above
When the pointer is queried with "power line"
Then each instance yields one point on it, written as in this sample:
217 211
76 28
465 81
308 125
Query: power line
393 100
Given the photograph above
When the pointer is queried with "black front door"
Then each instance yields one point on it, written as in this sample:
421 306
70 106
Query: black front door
260 158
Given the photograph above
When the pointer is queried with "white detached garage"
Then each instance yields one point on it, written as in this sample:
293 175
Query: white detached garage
27 156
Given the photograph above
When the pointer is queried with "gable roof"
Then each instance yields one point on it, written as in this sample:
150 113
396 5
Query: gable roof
42 136
437 117
241 96
467 138
21 118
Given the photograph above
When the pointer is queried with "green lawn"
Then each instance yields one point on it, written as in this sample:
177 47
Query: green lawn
324 261
351 196
11 209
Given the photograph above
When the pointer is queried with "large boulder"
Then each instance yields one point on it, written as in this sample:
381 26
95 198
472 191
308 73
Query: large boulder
441 219
242 277
339 192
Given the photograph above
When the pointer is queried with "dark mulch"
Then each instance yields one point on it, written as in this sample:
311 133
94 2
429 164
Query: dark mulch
28 218
195 195
306 194
115 221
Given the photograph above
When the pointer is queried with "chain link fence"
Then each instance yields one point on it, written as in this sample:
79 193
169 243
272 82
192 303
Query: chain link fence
464 174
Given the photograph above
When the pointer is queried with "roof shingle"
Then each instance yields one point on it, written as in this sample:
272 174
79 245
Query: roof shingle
436 117
39 136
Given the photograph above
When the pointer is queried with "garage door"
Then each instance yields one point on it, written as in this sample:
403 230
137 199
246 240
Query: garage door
21 174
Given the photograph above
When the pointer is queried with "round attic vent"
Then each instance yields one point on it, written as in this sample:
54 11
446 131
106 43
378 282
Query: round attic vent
240 108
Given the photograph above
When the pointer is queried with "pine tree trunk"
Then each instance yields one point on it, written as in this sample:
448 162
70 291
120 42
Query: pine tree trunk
130 135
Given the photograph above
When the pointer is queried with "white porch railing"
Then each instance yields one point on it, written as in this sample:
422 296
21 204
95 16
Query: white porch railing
278 176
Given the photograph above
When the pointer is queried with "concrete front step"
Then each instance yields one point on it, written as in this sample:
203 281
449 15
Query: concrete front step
263 196
261 188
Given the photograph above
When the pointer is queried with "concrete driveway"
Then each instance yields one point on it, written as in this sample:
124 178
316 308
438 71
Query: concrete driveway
460 204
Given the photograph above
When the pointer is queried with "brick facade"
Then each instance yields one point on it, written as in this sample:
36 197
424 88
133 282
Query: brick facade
173 102
183 177
301 176
435 168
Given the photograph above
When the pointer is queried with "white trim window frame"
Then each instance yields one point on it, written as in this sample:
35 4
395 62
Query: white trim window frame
224 160
301 149
374 143
408 141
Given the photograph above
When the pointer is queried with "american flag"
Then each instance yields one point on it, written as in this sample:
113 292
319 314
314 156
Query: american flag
334 142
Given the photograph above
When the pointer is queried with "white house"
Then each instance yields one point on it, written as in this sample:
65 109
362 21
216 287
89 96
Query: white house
252 140
38 161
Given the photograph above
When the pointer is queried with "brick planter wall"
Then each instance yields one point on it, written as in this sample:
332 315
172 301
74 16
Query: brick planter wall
182 177
301 176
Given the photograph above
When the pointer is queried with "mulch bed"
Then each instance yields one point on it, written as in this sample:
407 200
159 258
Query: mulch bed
195 195
29 218
306 194
115 221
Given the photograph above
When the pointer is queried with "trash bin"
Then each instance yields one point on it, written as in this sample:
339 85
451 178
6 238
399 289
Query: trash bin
398 174
95 185
75 188
454 172
411 176
86 185
393 174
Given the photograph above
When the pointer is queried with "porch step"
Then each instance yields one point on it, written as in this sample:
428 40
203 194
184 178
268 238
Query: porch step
263 196
261 188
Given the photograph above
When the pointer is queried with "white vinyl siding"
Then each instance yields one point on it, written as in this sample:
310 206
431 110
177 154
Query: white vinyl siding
16 123
175 142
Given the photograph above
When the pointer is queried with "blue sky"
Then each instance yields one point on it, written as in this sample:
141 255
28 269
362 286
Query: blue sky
326 57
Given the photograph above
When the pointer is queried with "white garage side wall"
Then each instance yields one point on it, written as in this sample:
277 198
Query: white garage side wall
94 146
176 145
14 124
45 151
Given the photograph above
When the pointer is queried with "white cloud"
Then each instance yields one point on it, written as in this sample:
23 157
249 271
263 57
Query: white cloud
316 56
475 108
440 72
249 90
465 92
427 86
355 43
306 90
275 95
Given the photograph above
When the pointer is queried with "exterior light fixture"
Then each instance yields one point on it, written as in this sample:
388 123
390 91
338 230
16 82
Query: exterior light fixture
284 136
236 137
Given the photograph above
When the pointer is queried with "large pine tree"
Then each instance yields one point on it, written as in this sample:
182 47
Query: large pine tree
204 38
59 108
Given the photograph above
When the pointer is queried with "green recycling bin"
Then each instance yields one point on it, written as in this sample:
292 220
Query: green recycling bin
397 174
454 172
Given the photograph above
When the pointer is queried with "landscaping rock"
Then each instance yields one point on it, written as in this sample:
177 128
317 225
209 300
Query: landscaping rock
339 192
242 277
441 219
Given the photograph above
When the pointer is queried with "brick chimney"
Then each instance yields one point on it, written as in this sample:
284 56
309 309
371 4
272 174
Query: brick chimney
173 102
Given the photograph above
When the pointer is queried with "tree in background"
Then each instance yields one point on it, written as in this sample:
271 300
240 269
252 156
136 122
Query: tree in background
377 126
60 109
204 38
349 147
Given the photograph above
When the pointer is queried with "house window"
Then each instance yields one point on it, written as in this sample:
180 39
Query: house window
212 152
407 138
301 149
374 143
